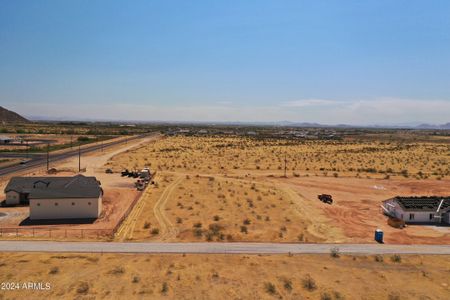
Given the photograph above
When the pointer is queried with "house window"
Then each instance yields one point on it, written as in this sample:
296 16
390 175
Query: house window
431 216
73 203
56 203
89 203
38 204
411 216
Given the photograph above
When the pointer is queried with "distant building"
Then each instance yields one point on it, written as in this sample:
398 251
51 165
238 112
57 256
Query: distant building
74 197
4 140
419 209
203 131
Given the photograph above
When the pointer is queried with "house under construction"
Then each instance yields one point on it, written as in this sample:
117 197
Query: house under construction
416 210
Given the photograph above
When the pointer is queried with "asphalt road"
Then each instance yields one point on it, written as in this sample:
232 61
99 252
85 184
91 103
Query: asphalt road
218 248
38 161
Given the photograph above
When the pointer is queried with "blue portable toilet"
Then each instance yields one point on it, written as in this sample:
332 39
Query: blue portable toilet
379 236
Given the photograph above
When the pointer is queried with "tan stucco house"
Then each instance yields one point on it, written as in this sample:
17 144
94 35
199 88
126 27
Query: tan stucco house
76 197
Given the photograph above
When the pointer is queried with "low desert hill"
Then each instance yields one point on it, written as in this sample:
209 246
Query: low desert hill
7 116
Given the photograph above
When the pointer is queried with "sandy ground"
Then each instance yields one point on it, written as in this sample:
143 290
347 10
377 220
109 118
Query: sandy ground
119 193
114 276
223 190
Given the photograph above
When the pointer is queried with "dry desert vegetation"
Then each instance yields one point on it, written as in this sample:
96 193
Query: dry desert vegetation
115 276
234 189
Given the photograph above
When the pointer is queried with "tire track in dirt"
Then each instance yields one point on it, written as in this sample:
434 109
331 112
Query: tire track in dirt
167 230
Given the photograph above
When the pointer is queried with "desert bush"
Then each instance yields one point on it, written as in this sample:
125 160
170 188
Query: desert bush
325 296
164 288
244 229
270 288
215 228
393 296
396 258
216 218
309 283
136 279
198 232
155 231
334 252
287 285
247 221
146 225
197 225
54 270
83 288
379 258
117 271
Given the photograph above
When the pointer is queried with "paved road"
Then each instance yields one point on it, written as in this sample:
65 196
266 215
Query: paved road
39 161
218 248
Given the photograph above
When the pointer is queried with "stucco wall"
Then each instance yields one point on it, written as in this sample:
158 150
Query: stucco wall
419 216
78 208
12 197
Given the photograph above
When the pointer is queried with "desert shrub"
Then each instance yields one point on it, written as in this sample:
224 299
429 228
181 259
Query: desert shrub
244 229
379 258
270 288
198 232
136 279
164 288
334 252
338 295
179 220
215 228
155 231
216 218
197 225
396 258
325 296
393 296
309 283
146 225
247 221
209 236
287 285
54 270
83 288
117 271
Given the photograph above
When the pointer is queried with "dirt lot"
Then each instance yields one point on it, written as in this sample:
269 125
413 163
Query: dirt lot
95 276
40 141
119 195
234 189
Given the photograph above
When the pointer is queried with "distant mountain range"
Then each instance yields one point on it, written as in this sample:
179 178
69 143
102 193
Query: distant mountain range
408 126
10 117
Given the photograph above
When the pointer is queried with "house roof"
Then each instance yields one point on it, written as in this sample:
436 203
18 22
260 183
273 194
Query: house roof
78 186
430 203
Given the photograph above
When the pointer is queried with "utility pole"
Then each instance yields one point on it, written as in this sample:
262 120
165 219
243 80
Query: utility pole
285 165
79 158
71 144
48 155
28 150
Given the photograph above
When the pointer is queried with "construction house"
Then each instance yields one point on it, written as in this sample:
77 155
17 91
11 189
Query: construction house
5 140
76 197
416 210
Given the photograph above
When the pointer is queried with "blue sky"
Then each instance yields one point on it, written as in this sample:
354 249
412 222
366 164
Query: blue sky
354 62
